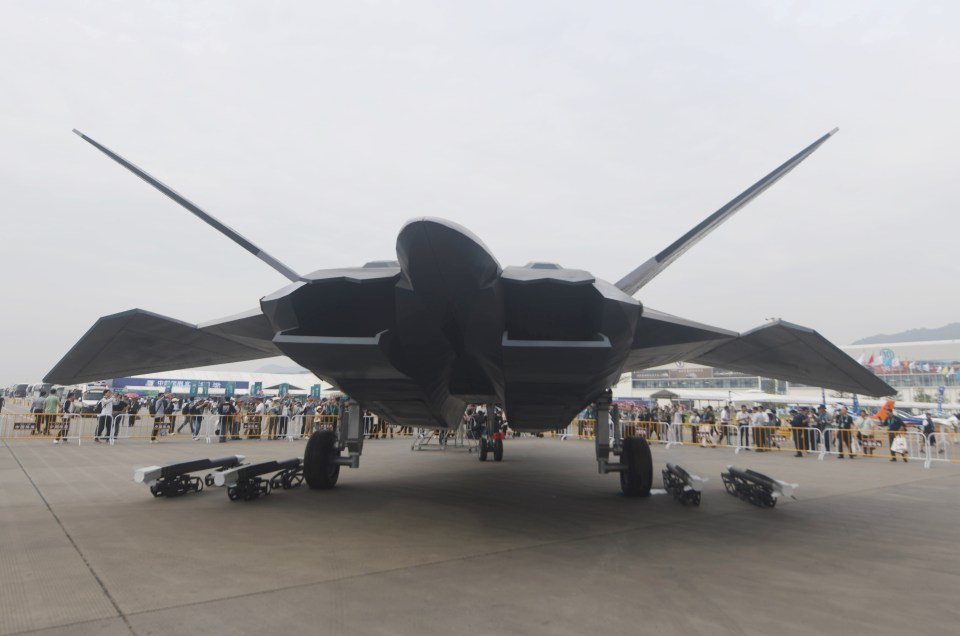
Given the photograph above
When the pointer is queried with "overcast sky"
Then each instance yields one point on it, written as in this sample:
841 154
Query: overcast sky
587 133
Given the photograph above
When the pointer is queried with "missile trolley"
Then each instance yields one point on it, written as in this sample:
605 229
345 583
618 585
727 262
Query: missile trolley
175 479
684 487
756 488
245 482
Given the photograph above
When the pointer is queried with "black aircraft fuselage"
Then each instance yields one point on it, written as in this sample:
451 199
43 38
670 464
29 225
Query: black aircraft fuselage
447 324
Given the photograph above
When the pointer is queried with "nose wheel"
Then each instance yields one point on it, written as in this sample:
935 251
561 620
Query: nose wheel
494 446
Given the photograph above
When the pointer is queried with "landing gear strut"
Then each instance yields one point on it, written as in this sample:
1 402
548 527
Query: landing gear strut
491 441
636 462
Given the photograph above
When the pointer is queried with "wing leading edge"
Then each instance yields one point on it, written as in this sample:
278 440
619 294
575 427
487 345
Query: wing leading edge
775 350
137 341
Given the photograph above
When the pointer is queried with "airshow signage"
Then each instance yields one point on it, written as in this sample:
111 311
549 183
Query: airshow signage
176 385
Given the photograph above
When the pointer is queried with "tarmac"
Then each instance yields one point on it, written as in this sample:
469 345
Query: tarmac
436 542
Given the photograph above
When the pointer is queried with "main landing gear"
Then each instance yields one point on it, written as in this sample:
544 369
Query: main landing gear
324 454
636 462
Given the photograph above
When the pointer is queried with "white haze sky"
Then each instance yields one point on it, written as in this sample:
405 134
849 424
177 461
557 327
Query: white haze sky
587 133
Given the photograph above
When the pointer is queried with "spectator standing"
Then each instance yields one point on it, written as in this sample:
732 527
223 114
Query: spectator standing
69 405
119 415
743 425
284 418
51 406
309 412
844 435
708 424
186 413
677 425
36 407
822 422
159 414
260 414
928 432
724 424
895 431
694 426
769 428
226 411
105 418
798 425
865 432
757 422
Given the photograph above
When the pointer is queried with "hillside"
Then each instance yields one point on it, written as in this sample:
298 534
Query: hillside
948 332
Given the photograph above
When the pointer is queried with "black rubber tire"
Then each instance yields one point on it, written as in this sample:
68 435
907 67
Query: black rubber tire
637 479
320 467
497 450
208 480
483 449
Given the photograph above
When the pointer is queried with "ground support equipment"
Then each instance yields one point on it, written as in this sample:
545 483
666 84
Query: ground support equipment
246 482
684 487
175 479
756 488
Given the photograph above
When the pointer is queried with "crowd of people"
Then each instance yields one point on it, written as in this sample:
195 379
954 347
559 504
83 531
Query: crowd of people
166 414
836 430
761 429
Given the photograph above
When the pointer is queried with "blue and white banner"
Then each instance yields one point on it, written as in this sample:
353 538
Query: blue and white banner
172 385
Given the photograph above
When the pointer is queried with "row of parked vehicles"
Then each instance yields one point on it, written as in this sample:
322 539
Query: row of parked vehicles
88 394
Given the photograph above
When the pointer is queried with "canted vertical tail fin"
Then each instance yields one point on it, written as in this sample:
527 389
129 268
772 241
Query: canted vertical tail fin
642 275
207 218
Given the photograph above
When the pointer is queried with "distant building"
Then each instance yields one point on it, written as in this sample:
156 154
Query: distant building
219 383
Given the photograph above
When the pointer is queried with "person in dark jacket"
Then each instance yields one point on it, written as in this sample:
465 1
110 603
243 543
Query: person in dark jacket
798 424
844 435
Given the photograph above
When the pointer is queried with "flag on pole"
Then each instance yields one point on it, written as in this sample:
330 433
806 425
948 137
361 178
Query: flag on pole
856 403
870 361
823 397
862 358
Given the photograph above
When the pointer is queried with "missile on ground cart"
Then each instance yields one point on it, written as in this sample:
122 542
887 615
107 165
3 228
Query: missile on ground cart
756 488
175 479
684 486
245 482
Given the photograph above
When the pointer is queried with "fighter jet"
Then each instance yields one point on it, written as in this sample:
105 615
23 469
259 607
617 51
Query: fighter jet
417 339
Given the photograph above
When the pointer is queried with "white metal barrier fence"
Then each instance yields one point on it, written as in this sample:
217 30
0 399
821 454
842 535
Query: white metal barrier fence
939 447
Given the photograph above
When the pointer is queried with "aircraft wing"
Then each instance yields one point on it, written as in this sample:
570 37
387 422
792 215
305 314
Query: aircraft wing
776 350
137 341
